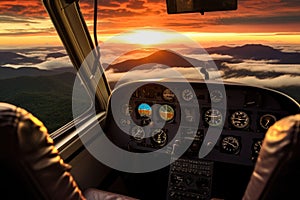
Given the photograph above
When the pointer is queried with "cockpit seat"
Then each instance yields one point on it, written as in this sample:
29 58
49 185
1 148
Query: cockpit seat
31 167
277 171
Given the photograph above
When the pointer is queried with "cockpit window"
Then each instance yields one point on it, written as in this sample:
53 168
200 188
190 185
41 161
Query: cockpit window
250 45
35 70
40 79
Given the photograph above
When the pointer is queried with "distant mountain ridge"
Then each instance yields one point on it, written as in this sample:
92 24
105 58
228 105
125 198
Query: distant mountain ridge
9 72
164 57
7 57
257 52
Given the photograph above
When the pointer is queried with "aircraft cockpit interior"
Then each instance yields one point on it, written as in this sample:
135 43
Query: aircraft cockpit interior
150 100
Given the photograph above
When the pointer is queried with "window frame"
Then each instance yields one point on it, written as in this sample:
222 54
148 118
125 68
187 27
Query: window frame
74 34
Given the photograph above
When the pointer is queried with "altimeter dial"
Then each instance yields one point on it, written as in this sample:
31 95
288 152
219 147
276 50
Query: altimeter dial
231 145
240 119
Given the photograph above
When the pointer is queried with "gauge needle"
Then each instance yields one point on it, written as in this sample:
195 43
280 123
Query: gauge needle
231 144
239 119
267 122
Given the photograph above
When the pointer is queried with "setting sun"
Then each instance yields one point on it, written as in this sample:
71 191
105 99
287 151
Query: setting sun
146 37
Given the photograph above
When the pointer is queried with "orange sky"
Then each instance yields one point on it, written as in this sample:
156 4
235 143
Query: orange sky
26 23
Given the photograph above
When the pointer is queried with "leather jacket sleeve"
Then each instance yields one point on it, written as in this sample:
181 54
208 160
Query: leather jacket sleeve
27 147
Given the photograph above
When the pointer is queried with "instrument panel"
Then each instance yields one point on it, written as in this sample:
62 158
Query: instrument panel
145 116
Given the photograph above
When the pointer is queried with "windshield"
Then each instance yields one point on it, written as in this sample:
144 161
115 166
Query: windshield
251 45
257 44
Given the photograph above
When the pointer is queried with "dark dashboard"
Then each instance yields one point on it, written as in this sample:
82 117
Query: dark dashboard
152 114
229 120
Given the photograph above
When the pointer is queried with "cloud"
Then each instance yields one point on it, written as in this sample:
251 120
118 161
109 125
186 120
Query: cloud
155 72
136 4
207 57
246 20
49 64
277 82
289 48
108 10
54 63
10 19
118 15
28 8
37 58
266 67
24 31
278 16
41 53
19 18
259 78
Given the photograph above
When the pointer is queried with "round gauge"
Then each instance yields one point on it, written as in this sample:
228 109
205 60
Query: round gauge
126 109
256 147
189 114
267 120
166 112
137 133
240 119
159 137
187 95
230 144
216 96
168 95
146 93
144 110
213 117
125 122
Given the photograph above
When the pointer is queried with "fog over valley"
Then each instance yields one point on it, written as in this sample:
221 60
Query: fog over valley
253 64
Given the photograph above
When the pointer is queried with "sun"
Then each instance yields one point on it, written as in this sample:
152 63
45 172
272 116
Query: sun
146 37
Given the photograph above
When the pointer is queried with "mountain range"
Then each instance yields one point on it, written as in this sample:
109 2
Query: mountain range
9 72
257 52
165 57
237 54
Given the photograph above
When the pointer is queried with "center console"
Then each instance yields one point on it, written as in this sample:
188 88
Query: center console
190 179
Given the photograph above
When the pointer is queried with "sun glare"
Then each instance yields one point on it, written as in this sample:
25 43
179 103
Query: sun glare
146 37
